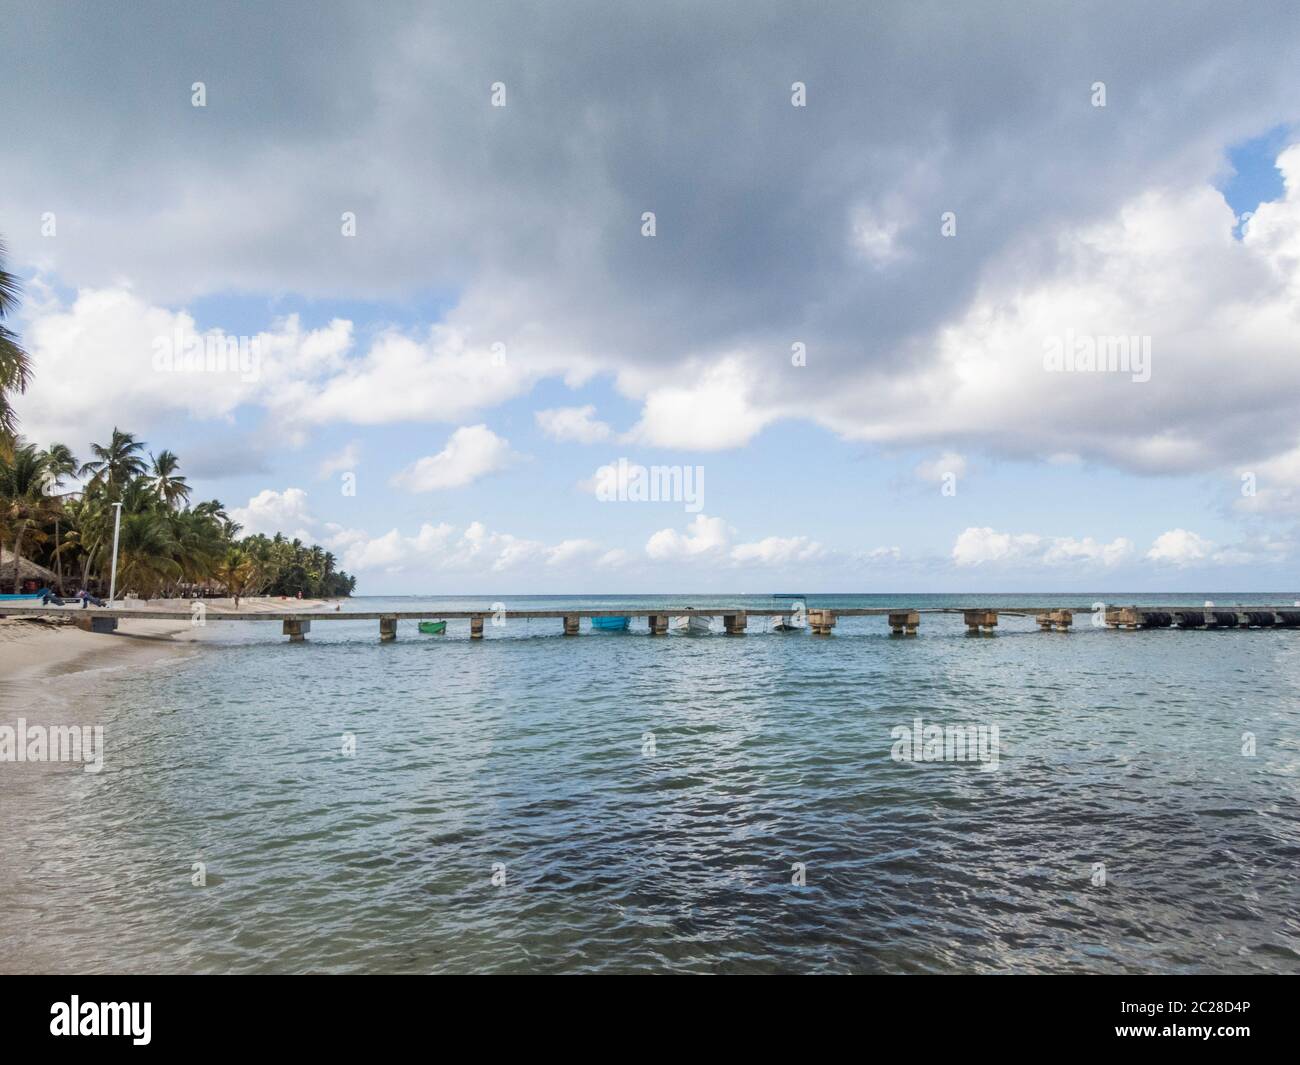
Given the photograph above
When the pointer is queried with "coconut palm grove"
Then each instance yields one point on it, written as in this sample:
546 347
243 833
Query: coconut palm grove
58 512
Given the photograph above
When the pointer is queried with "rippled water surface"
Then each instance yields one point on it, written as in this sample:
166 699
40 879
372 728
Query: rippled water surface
531 750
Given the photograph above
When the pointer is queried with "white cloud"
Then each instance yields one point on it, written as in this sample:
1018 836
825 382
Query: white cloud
1066 549
705 408
1275 484
571 551
472 452
270 512
1180 548
441 377
345 460
980 546
777 550
704 537
578 424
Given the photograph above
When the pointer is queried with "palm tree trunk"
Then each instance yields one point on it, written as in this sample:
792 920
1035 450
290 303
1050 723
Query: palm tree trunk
18 553
58 557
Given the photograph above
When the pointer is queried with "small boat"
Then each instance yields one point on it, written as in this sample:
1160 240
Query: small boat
692 625
15 599
433 628
797 619
614 624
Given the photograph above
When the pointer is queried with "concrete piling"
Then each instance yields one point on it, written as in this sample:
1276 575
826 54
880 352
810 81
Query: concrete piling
904 622
1060 620
821 622
296 630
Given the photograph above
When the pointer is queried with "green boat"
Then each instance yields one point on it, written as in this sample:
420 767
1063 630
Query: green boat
433 628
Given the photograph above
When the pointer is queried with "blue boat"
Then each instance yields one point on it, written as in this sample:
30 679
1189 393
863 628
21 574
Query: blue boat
614 624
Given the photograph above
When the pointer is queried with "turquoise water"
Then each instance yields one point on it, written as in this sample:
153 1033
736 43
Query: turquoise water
531 750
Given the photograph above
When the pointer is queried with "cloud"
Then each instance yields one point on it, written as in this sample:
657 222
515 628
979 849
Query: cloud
1179 547
704 537
472 452
1270 487
830 238
571 551
935 470
270 512
980 546
708 410
344 460
576 424
473 550
777 550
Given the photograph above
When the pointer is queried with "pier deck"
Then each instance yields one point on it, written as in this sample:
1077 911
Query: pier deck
820 620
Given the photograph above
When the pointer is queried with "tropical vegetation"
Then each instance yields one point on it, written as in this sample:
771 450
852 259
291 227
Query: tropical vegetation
60 513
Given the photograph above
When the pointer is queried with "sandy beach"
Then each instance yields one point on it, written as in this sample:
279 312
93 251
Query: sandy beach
31 650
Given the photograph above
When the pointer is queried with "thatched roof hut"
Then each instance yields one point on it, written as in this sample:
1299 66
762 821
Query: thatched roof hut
27 571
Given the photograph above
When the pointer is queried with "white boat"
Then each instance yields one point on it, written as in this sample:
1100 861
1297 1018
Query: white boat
691 625
797 619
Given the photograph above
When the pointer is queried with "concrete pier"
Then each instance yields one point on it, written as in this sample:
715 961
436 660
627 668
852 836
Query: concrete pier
1060 620
821 622
904 622
980 620
296 629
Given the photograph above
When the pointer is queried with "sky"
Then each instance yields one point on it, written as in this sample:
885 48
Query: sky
837 279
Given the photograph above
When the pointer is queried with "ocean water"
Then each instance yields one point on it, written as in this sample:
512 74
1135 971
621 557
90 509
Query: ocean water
621 803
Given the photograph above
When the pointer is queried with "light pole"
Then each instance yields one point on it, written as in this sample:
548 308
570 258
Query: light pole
112 581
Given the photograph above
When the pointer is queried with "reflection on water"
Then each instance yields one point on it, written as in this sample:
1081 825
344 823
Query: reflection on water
530 750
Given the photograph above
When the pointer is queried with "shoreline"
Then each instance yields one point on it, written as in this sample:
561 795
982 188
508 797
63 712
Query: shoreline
33 650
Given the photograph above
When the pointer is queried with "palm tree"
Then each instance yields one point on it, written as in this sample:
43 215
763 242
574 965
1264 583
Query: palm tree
116 463
24 507
145 559
170 487
60 463
238 572
15 364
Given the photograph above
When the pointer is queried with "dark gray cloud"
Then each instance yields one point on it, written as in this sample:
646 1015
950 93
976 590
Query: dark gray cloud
532 211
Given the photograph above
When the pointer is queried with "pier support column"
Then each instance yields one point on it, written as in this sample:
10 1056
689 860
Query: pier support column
572 622
734 624
296 630
387 630
980 620
93 624
1060 620
476 628
658 624
1123 618
904 622
821 622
